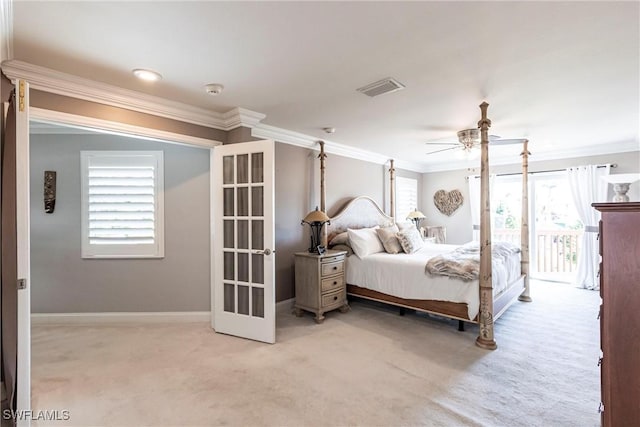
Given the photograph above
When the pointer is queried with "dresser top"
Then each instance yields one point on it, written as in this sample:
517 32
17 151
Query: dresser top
617 206
328 253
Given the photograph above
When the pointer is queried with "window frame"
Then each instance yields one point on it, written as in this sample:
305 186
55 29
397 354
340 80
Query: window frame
398 179
123 251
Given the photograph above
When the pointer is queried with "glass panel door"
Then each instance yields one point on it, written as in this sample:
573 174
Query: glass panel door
556 230
244 300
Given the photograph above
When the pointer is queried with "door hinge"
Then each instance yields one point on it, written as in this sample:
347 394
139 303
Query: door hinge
21 95
22 283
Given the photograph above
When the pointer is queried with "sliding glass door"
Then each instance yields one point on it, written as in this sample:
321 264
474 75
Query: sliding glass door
555 228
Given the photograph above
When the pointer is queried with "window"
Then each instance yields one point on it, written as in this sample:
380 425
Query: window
406 197
122 204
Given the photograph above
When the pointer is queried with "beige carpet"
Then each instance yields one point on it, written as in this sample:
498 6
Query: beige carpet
367 367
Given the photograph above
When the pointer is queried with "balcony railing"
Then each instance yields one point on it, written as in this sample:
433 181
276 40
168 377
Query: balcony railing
556 250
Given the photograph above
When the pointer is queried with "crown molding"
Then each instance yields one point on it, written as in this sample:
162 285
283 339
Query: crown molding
242 117
60 83
584 151
262 130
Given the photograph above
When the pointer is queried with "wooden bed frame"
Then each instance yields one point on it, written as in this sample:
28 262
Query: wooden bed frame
363 212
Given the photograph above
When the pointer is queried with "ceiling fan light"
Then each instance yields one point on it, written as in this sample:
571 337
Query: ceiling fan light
469 136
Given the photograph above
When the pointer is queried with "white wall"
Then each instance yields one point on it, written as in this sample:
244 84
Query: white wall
63 282
459 224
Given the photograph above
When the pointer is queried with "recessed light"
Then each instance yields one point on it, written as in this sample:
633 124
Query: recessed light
147 75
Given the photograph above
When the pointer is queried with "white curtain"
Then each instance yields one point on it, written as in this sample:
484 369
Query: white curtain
474 202
587 187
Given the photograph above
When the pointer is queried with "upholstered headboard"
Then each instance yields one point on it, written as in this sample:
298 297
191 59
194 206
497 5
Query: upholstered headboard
360 212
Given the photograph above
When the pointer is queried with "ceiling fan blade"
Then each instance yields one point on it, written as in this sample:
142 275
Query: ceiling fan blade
443 149
442 143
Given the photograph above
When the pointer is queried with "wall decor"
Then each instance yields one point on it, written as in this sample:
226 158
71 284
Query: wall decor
448 202
49 191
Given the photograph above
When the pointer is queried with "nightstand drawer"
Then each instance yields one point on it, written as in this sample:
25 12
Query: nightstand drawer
328 259
332 268
333 298
332 283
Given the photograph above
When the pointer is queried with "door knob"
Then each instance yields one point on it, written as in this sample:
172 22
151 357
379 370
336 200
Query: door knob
266 252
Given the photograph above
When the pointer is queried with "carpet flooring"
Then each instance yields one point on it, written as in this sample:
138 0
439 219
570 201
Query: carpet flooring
367 367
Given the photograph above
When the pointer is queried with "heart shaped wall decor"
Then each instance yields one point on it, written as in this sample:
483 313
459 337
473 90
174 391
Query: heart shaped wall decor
448 202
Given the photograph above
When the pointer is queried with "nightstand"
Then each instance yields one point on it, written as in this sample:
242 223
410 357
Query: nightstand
320 283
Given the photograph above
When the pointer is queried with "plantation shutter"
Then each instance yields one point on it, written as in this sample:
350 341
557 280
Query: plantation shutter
406 197
122 204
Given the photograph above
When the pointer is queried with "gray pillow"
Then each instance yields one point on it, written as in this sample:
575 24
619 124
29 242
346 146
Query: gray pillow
340 239
343 248
410 240
389 240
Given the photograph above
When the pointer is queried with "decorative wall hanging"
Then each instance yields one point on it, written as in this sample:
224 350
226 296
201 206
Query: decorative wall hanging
448 202
49 191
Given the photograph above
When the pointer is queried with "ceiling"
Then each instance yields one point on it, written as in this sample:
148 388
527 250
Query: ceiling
563 74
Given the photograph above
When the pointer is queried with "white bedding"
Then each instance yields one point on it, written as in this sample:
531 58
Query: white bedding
403 275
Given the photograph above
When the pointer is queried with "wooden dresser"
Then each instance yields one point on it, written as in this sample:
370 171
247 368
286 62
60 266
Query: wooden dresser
619 241
320 283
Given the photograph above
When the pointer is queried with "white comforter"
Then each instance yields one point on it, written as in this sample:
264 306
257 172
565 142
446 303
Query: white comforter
403 275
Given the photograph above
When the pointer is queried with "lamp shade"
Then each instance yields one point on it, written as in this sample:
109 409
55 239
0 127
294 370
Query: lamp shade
416 214
316 220
316 216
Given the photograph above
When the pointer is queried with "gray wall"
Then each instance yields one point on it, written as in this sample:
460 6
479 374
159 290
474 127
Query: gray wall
297 191
64 282
458 224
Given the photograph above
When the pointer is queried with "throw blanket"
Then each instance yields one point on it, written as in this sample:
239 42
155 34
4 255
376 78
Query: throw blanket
464 262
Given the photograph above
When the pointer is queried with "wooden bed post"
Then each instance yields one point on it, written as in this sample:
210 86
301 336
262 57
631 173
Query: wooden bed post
485 317
323 191
524 236
392 191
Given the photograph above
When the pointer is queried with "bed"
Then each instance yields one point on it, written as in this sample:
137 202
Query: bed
400 279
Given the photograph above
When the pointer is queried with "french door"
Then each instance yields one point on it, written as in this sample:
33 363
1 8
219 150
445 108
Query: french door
15 253
243 240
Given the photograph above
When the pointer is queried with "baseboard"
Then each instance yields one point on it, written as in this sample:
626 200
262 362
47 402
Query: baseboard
122 317
285 307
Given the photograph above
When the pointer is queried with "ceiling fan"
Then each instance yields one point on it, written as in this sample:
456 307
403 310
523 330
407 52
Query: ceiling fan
469 139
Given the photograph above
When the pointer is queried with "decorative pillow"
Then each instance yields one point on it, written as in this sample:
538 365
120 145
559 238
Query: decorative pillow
343 248
340 239
405 226
364 241
410 240
389 240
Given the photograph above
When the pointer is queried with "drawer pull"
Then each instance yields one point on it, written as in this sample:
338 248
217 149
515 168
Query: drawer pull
600 362
335 283
601 408
335 298
335 267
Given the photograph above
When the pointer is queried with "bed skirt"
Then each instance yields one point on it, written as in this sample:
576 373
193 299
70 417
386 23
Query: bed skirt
453 310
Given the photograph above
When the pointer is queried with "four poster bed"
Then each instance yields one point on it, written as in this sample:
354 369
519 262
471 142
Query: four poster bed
400 279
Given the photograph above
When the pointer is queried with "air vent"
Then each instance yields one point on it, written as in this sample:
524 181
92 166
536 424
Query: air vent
381 87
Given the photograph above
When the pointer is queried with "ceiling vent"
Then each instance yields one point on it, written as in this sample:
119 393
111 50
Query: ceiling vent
381 87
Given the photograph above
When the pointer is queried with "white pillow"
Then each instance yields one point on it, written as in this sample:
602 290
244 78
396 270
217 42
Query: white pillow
405 226
364 241
410 240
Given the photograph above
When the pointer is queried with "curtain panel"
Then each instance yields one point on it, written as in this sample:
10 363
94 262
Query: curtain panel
587 187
